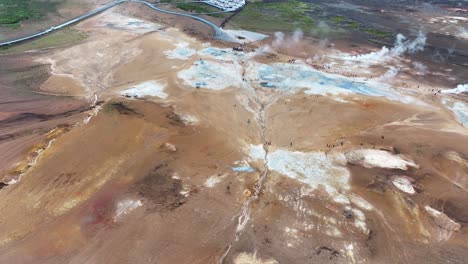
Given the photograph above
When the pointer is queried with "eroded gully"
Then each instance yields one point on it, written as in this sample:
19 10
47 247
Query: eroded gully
262 102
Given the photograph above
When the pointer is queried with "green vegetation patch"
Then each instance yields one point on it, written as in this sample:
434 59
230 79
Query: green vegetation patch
193 7
59 38
345 24
273 16
378 33
199 8
189 6
353 25
12 12
338 19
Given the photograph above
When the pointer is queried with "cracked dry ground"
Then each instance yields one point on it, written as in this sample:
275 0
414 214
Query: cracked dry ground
124 180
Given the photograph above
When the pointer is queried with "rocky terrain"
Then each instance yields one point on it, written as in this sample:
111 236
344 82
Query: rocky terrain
147 143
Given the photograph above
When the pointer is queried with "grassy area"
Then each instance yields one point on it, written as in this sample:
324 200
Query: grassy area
199 8
273 16
12 12
353 25
346 23
282 15
15 11
194 7
338 19
59 38
378 33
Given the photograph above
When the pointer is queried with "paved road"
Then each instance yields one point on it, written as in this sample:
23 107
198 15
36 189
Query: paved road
218 33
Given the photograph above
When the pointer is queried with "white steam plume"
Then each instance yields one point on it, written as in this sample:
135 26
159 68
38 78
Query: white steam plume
419 67
297 36
402 45
461 88
391 73
281 41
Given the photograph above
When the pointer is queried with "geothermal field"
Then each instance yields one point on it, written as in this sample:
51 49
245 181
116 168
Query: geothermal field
300 132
